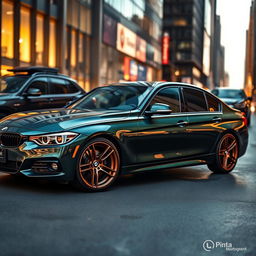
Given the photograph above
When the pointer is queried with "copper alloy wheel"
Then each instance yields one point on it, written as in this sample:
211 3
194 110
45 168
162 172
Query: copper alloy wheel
99 164
228 152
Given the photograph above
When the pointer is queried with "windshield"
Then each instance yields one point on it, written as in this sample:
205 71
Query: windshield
115 97
11 84
229 93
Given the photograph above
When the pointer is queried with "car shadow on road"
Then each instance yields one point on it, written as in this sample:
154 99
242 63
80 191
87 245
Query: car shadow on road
187 174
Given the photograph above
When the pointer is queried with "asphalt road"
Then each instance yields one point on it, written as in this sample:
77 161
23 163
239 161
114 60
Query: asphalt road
160 213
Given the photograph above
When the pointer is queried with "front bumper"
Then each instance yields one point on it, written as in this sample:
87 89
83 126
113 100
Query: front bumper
32 160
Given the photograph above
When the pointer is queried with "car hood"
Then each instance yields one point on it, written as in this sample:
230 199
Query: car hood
56 120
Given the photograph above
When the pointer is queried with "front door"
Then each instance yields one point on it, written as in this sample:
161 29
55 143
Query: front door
162 137
36 102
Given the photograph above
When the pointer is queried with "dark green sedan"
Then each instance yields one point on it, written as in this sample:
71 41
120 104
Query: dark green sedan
124 128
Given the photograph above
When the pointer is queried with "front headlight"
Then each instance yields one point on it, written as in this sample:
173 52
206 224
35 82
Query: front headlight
54 138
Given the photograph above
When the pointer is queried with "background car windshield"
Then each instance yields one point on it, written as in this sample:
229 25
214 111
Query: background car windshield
11 84
112 98
236 94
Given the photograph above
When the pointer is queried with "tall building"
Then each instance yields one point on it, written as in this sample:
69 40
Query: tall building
218 57
93 41
190 25
250 59
131 48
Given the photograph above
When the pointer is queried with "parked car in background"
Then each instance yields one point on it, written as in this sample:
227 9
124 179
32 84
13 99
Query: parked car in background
236 98
32 88
124 128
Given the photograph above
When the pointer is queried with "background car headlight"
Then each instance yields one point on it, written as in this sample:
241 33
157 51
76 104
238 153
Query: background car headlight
53 139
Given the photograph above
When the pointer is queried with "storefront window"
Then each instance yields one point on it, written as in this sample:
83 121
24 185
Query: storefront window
7 30
39 38
72 15
24 40
85 19
81 53
52 44
73 48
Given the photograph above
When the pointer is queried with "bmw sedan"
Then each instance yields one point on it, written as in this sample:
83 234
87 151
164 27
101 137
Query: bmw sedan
124 128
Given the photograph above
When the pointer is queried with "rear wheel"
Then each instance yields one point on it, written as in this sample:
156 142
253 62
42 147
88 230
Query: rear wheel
226 155
98 165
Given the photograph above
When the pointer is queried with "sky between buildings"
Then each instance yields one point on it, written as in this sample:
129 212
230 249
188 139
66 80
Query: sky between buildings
234 22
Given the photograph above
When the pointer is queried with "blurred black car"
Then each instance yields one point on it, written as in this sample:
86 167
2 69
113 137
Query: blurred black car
32 88
236 98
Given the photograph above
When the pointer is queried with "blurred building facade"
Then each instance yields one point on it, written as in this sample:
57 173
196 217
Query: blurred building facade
93 41
250 59
195 53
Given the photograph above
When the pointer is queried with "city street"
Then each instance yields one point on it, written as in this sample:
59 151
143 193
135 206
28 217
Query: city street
162 213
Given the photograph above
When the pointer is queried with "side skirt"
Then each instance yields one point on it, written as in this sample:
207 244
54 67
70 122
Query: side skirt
164 165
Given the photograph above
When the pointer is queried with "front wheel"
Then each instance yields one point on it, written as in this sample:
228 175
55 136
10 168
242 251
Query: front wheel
98 165
226 155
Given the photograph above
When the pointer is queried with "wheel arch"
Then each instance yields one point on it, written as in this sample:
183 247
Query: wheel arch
225 132
111 138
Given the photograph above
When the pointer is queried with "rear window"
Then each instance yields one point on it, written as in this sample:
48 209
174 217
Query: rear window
213 103
195 100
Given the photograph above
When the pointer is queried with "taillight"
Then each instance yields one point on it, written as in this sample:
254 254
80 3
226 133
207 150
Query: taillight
245 121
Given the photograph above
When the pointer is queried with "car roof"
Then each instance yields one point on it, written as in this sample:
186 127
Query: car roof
33 69
229 88
156 84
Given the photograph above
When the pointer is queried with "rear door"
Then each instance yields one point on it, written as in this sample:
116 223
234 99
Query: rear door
62 91
204 117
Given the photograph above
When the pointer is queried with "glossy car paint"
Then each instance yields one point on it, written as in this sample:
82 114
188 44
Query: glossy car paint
144 143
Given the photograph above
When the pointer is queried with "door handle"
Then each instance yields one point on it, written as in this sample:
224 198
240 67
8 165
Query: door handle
182 123
216 119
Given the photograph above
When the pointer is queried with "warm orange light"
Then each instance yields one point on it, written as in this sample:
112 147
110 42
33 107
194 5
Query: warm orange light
52 44
7 29
75 151
24 40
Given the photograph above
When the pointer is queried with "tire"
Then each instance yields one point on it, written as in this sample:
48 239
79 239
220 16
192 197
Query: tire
98 166
226 154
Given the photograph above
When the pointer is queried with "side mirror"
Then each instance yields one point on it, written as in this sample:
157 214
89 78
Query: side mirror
158 109
33 92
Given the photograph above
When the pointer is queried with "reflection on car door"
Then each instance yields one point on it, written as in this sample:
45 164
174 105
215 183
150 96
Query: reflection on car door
36 102
61 92
162 137
204 117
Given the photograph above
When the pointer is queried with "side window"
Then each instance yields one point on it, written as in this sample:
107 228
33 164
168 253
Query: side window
170 97
195 100
213 104
71 87
57 86
39 83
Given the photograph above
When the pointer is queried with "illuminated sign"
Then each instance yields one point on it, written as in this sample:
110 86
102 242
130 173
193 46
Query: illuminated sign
141 46
165 49
126 40
133 70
